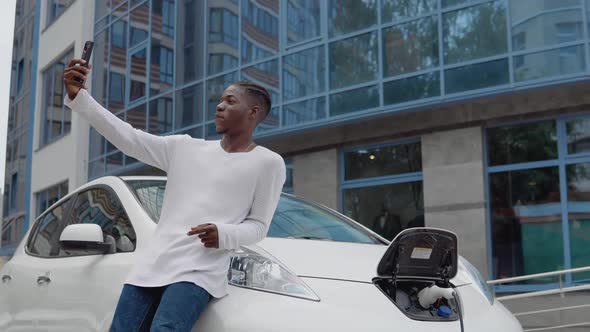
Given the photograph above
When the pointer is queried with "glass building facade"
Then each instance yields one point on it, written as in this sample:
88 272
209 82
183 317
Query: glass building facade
162 64
539 198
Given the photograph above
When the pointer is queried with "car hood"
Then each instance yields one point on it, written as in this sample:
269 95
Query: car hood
326 259
333 260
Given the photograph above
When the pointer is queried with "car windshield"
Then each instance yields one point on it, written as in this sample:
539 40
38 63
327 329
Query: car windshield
294 218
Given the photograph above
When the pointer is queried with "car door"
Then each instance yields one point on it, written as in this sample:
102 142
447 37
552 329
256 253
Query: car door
23 278
83 287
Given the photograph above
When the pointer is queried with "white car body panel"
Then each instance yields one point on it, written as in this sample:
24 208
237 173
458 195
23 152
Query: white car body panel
83 291
344 306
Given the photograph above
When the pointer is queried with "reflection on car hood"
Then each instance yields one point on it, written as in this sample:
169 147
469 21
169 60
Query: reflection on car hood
326 259
332 260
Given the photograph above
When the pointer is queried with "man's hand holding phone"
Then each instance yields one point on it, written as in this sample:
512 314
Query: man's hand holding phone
77 70
75 76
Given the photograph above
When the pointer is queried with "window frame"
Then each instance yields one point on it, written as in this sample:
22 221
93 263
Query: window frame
72 197
402 178
49 18
564 159
48 78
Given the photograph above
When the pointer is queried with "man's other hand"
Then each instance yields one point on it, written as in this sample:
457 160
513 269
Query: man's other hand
75 76
207 233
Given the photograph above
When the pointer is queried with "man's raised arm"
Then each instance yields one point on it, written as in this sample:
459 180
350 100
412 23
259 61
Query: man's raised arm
151 149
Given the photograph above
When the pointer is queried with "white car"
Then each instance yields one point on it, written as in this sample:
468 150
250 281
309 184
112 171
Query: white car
317 270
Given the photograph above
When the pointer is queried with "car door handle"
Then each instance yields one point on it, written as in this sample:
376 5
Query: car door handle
6 278
43 280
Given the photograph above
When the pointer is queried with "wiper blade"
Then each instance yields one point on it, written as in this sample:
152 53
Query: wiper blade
308 237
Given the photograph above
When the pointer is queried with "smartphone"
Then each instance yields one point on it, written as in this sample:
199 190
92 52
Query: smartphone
86 53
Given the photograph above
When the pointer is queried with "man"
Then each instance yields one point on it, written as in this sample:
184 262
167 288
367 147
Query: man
224 191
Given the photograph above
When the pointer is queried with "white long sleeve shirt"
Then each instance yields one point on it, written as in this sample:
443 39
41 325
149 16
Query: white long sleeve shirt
237 191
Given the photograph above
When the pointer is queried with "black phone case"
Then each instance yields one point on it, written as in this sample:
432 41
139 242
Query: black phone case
86 53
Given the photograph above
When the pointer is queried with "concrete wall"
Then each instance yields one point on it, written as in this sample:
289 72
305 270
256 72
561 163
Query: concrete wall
315 177
66 158
454 199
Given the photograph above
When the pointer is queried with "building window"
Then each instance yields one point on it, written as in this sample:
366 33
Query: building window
395 10
304 111
355 100
223 27
119 34
13 192
537 24
260 30
168 17
138 70
187 111
220 61
160 115
303 73
47 197
382 187
166 65
353 60
410 47
139 23
20 76
543 25
348 16
536 171
303 20
117 88
477 76
474 32
55 8
56 116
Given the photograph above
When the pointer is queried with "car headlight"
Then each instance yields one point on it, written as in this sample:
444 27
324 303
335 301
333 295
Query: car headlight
479 280
251 270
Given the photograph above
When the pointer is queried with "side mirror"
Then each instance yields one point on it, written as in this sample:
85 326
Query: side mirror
84 239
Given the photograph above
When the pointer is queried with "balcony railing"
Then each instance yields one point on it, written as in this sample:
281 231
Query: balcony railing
562 291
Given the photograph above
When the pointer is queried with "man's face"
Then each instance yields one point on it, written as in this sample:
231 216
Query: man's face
232 111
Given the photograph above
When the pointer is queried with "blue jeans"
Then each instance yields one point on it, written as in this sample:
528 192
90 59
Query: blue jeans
175 307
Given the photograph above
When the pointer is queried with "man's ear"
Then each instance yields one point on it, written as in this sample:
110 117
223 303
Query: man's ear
254 113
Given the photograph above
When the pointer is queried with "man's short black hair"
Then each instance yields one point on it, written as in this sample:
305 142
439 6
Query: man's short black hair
258 92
